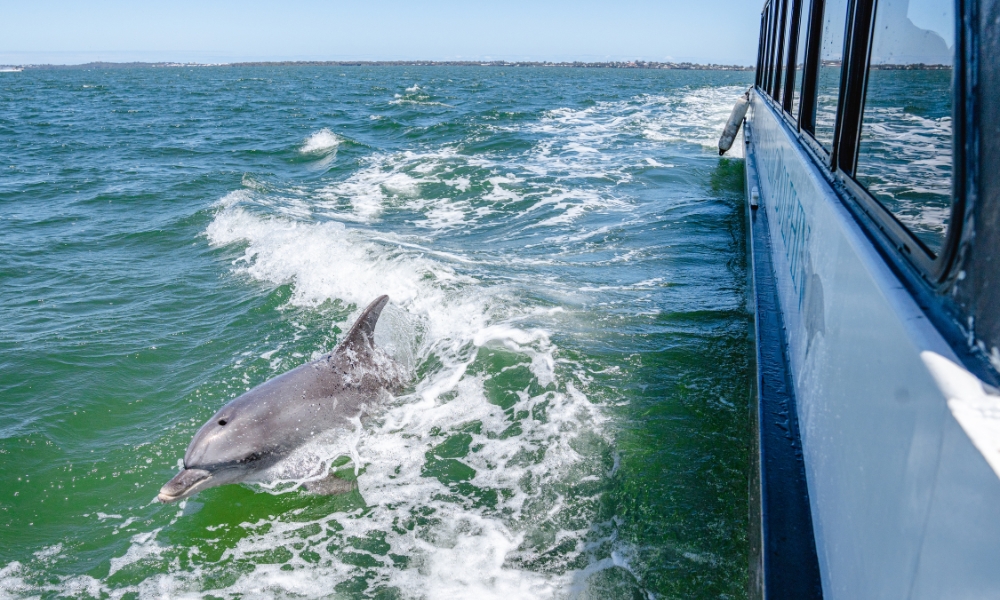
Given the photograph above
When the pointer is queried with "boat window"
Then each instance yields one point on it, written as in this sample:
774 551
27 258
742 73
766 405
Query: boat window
779 52
905 151
800 56
828 79
762 69
766 39
770 46
760 48
787 46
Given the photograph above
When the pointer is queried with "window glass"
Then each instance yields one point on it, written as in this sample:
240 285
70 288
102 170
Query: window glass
767 40
905 153
786 43
772 44
779 9
800 55
779 51
760 48
828 78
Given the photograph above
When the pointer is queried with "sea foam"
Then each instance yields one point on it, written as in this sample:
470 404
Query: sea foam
449 318
321 142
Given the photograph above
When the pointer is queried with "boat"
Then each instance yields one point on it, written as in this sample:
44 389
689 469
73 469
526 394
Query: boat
872 168
11 69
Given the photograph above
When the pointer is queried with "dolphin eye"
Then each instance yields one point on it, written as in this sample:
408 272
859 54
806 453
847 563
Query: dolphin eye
222 421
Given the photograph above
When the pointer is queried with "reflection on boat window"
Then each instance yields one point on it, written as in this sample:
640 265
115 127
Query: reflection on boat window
772 28
765 34
828 79
760 49
786 37
800 56
905 154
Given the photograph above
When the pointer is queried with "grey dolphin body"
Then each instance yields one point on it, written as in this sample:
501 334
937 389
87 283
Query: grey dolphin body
262 426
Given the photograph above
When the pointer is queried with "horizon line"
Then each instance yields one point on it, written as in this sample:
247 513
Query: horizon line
633 64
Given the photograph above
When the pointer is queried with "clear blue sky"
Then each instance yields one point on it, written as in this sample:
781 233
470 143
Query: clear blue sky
67 32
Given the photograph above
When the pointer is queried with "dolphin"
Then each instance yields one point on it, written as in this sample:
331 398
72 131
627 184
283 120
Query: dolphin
264 425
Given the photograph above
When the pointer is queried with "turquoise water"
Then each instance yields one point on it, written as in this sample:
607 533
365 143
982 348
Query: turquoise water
563 251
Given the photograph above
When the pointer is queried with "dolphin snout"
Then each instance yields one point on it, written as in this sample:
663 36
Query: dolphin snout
183 484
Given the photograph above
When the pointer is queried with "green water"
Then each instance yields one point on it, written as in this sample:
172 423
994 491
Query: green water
563 253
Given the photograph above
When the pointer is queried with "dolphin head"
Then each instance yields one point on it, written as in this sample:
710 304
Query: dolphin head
227 449
257 429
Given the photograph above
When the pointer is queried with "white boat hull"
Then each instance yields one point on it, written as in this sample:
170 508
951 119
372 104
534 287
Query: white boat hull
903 504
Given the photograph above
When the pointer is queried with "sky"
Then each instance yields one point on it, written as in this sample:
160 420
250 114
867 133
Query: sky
211 31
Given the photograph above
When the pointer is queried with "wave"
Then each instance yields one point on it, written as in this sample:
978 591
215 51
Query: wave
495 432
484 478
526 464
321 142
697 116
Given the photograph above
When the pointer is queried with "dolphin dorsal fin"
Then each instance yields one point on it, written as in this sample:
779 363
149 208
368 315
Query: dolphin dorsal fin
361 337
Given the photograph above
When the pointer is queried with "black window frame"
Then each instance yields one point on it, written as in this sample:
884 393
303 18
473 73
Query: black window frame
760 48
934 268
806 119
840 163
765 35
829 157
772 45
793 16
781 21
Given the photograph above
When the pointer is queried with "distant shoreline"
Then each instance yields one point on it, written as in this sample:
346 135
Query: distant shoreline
638 64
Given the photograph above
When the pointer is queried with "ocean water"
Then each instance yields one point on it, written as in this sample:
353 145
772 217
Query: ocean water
905 151
563 252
